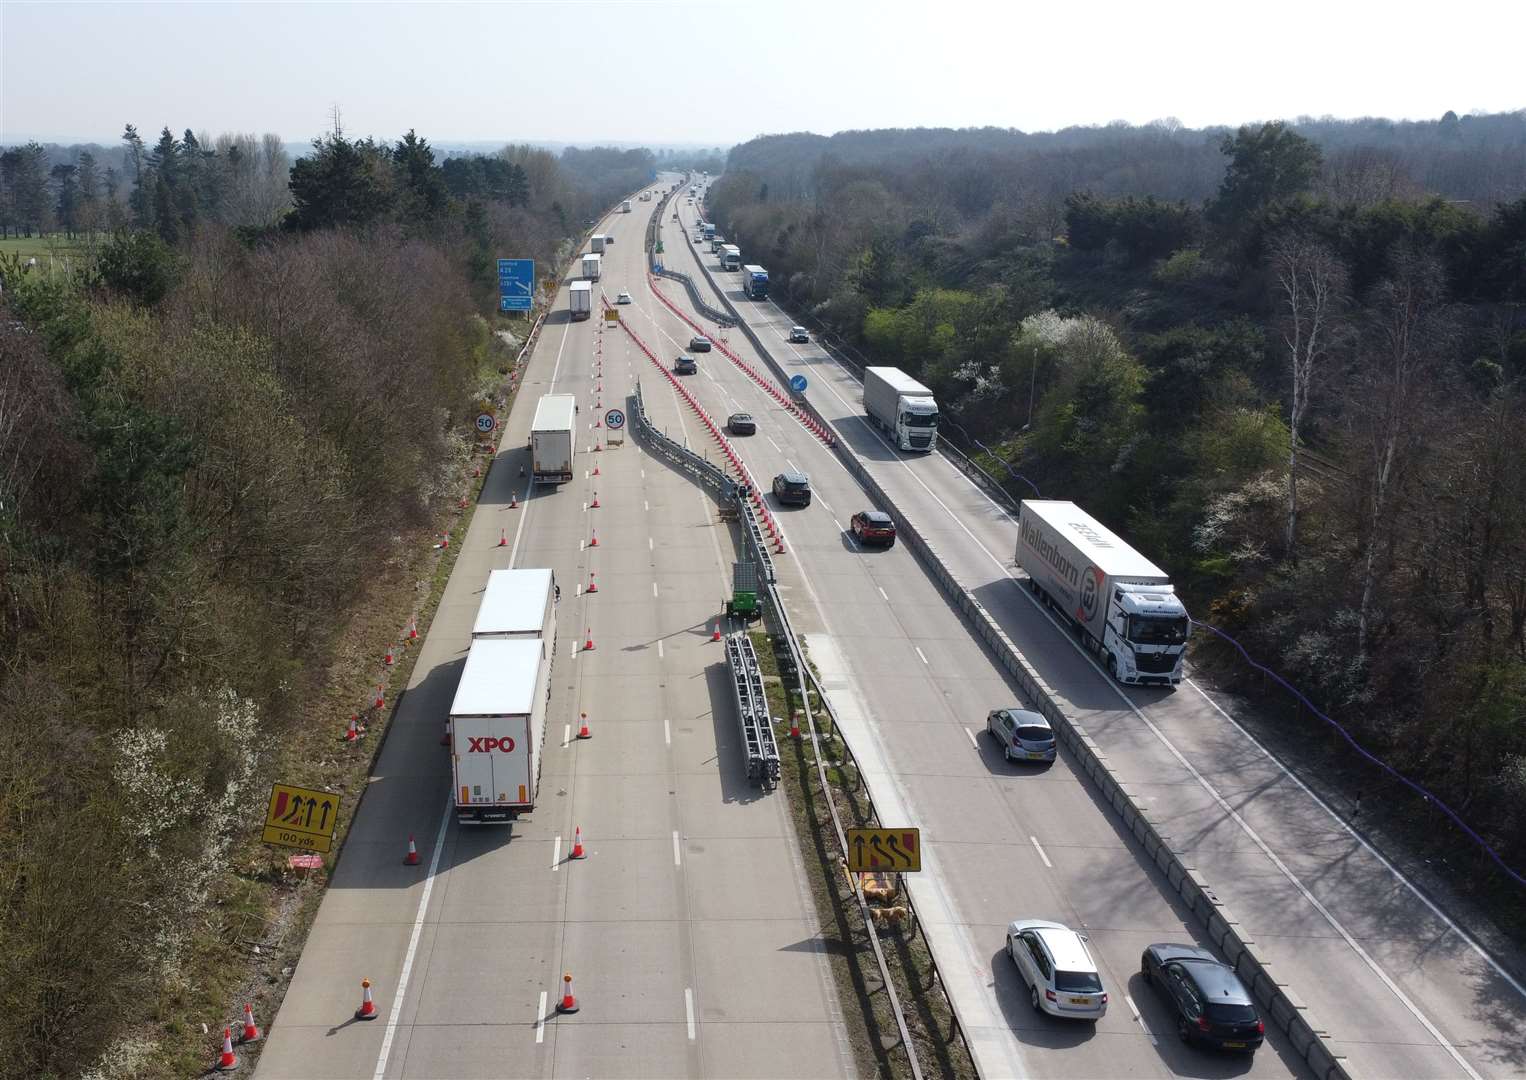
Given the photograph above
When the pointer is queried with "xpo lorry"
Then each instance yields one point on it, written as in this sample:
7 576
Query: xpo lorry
580 300
551 439
902 406
1121 604
498 728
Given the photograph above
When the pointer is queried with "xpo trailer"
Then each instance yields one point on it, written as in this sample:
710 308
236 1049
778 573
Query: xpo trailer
1121 604
902 406
498 728
754 282
591 266
580 300
519 605
551 445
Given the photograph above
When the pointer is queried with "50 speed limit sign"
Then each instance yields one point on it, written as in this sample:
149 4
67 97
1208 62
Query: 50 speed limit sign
486 422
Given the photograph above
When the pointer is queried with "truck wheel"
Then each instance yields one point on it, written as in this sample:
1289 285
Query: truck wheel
1112 667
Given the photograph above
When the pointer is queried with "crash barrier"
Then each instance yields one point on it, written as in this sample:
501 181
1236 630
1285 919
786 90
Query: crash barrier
752 710
720 318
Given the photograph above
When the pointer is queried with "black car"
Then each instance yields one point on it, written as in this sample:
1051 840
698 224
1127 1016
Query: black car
1212 1006
792 489
699 343
685 365
741 424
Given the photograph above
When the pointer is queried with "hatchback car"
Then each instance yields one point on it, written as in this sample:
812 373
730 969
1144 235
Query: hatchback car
685 365
1023 735
798 336
792 489
1211 1004
699 343
872 527
741 424
1061 975
623 298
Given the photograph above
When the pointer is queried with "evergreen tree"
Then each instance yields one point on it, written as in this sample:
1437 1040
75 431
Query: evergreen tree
341 184
66 180
420 182
88 213
139 201
32 205
164 166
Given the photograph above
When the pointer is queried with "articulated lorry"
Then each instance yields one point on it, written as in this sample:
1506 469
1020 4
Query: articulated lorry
551 439
731 257
901 406
580 300
498 728
591 266
754 282
1122 605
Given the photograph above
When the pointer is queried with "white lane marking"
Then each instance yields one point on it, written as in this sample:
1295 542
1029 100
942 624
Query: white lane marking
649 545
585 508
567 735
540 1019
839 526
1139 1019
556 854
973 743
654 590
882 595
659 648
413 945
643 474
645 505
689 1010
578 589
920 653
677 858
777 447
1040 850
667 731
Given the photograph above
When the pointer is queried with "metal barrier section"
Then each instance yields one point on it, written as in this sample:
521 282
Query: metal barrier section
752 711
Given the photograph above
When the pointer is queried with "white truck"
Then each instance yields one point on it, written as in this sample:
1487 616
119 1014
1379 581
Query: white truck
591 266
518 604
596 243
1122 605
551 439
580 300
625 207
498 728
902 406
731 257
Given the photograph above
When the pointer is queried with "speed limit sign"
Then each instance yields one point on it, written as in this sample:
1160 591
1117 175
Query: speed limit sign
486 422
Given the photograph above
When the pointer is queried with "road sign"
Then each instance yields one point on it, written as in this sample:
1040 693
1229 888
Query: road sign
797 383
516 284
611 315
486 422
301 818
614 419
884 849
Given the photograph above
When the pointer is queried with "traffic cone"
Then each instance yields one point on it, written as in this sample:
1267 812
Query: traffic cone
352 732
717 635
596 470
389 660
513 501
367 1010
476 472
227 1060
597 448
381 698
251 1033
463 502
595 504
596 422
503 538
577 844
444 540
583 732
568 1004
794 725
594 541
593 585
412 858
588 644
413 629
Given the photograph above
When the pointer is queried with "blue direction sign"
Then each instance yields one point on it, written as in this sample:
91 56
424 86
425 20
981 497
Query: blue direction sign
797 383
614 419
516 284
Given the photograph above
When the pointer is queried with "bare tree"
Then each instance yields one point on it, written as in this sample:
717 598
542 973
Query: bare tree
1311 286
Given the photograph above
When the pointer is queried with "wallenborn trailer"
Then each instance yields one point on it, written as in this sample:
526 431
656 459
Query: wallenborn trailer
498 728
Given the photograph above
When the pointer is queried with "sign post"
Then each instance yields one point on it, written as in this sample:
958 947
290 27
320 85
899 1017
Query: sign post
516 284
614 420
301 818
884 850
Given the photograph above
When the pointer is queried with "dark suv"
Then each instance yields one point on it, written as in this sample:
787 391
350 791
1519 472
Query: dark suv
699 343
792 489
685 365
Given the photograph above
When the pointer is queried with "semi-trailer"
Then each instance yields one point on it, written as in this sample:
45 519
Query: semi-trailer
902 406
591 266
551 439
580 300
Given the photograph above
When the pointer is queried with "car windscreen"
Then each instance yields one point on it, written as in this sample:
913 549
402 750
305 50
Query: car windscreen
1231 1014
796 485
1031 733
1077 982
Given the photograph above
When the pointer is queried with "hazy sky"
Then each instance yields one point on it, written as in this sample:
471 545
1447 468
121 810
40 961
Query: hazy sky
721 72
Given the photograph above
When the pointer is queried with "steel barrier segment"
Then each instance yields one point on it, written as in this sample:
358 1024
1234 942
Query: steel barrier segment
752 710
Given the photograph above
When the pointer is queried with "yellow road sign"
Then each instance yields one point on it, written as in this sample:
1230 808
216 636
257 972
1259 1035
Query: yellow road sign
301 818
884 849
611 315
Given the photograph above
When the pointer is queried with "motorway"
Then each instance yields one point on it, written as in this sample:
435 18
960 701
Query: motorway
689 929
1402 992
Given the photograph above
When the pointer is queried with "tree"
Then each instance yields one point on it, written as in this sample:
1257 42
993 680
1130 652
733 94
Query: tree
163 167
420 183
342 184
32 209
1267 165
10 170
66 180
139 264
88 212
1310 287
140 200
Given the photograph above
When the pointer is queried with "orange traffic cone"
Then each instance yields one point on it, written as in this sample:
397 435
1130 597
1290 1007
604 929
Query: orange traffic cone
367 1010
389 659
227 1060
583 732
381 699
596 422
251 1033
445 540
595 504
513 501
597 449
412 858
593 585
596 470
588 644
577 844
717 635
794 725
594 541
413 629
463 503
503 538
352 732
568 1004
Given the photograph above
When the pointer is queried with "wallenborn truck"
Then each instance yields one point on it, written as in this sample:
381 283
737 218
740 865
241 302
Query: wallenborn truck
580 300
1121 604
902 406
551 439
498 728
591 267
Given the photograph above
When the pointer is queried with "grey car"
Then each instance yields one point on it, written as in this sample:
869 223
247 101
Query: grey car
685 365
1022 735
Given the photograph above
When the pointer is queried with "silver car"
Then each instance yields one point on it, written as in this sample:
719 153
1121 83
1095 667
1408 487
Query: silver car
1023 735
1061 975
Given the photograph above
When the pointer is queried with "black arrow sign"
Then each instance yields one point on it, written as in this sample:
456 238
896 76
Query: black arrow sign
858 851
323 822
878 849
890 842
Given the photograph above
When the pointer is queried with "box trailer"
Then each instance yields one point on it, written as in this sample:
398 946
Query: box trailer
580 300
596 243
519 605
1122 605
591 267
625 207
498 728
551 438
901 406
731 257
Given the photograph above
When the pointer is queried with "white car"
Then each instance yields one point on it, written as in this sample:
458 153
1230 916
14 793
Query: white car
623 298
1061 975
